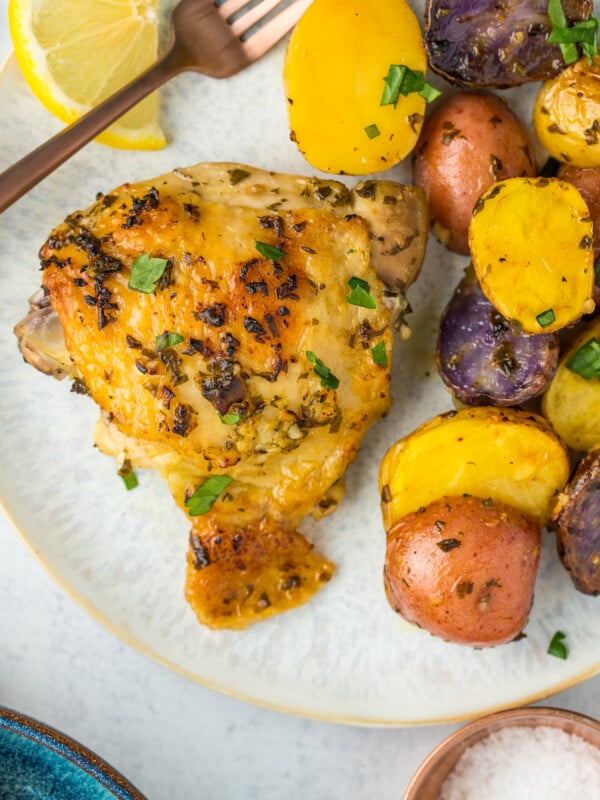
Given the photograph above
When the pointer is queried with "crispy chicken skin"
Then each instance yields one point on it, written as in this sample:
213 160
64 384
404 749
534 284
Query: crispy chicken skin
271 378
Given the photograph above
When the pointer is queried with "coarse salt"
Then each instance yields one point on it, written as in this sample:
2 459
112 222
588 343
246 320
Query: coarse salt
526 763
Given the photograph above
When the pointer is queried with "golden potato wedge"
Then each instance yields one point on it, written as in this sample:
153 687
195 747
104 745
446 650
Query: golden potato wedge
335 66
566 114
464 569
506 454
572 403
531 241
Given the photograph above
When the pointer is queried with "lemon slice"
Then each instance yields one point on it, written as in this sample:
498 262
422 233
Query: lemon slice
75 53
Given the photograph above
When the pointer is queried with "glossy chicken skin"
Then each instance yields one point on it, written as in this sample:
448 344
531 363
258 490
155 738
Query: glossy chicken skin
243 389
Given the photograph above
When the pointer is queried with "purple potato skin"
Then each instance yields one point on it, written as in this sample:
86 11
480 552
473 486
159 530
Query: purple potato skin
491 44
483 361
577 523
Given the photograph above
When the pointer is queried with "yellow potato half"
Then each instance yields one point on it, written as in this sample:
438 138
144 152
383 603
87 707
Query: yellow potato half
334 75
572 403
567 114
531 241
505 454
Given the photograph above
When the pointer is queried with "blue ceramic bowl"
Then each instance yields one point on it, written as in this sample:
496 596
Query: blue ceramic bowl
39 763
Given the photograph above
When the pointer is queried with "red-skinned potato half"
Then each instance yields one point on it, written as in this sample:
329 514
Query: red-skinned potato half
464 569
467 144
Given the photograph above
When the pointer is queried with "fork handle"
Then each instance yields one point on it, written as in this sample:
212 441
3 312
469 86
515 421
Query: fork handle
34 167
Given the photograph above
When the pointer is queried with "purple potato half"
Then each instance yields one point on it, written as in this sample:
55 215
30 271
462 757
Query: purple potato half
482 360
495 44
577 523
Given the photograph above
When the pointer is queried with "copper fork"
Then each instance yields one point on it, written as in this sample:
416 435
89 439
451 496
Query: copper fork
215 37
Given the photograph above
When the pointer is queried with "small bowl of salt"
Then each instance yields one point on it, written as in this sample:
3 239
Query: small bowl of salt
520 754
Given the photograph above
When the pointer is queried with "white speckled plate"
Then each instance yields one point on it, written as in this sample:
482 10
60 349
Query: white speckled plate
345 656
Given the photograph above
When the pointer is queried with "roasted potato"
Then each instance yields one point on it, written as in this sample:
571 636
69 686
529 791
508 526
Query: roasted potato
335 66
587 181
464 569
482 360
566 114
486 43
576 519
469 142
507 454
531 244
572 403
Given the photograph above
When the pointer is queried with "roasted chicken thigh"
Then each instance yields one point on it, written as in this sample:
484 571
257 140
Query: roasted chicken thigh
231 326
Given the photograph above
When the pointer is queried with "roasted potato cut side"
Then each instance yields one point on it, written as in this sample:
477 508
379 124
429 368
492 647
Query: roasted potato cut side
531 242
566 114
335 68
572 402
464 569
468 143
577 522
505 454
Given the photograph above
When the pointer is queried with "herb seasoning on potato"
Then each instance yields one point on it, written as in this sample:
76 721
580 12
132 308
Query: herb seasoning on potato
477 592
468 143
541 276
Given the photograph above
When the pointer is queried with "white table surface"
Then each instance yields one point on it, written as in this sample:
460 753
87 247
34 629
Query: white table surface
172 738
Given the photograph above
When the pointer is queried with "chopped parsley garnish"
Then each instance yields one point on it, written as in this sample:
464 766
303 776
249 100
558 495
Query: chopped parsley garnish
402 80
268 251
328 379
231 419
206 494
557 648
586 361
128 475
146 272
167 339
372 131
584 33
360 294
546 318
597 272
379 355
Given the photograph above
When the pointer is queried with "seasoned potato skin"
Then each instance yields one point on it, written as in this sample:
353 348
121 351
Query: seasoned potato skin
571 404
486 43
508 454
531 241
464 569
576 519
566 114
469 142
482 360
587 181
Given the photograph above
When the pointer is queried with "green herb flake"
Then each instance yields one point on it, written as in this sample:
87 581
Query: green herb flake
372 131
166 339
586 361
128 475
583 33
146 272
379 354
206 494
230 419
360 294
268 251
546 318
597 272
557 647
402 80
328 379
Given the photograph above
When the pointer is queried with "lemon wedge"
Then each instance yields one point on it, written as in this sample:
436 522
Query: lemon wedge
75 53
